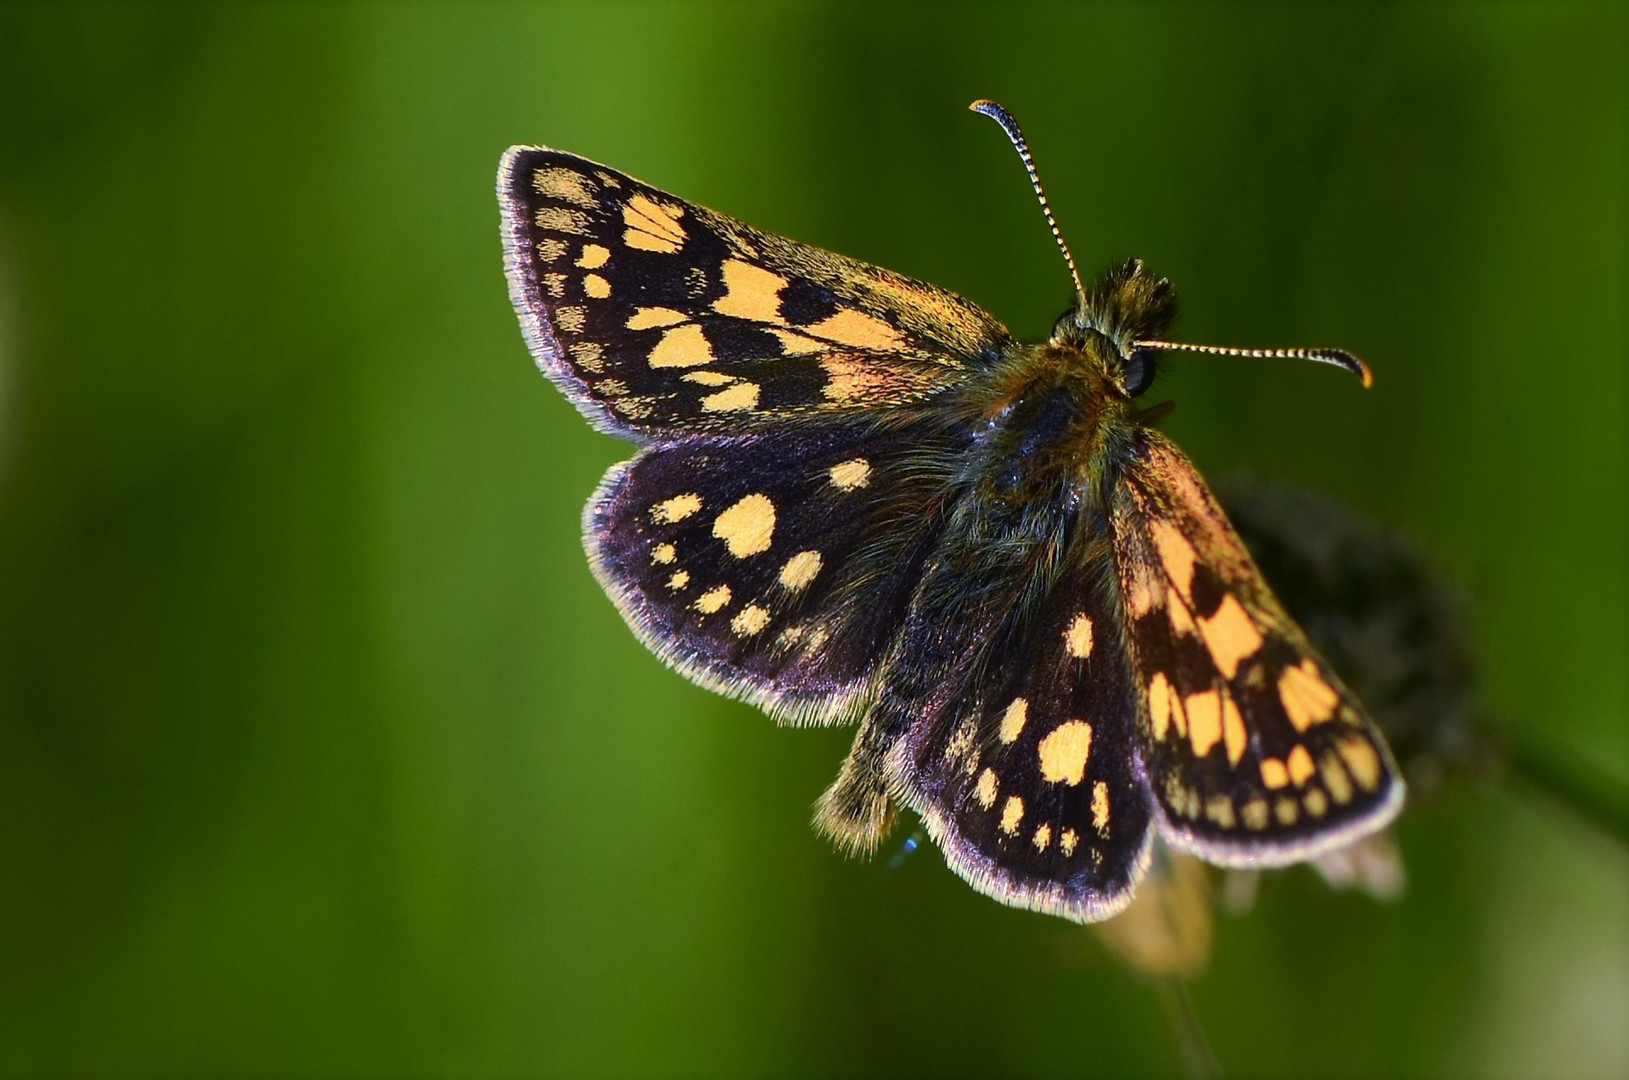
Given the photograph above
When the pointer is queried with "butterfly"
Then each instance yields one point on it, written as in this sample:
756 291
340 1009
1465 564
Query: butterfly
857 498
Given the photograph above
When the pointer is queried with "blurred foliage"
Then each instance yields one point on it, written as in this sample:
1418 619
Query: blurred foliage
320 750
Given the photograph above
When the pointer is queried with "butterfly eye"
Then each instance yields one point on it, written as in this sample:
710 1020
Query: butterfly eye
1140 367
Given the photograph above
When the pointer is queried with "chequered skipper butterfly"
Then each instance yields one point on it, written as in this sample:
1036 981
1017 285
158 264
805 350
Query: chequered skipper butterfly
858 498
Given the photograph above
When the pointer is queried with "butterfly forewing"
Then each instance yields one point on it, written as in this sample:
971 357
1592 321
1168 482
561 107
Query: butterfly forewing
1255 751
655 314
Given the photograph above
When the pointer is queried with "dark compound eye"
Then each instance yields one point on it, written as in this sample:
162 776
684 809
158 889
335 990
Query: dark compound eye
1140 366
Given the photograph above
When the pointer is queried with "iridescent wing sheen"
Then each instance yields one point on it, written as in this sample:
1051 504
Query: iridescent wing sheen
1255 751
656 315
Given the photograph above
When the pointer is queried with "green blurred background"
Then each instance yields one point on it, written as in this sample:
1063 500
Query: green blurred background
322 753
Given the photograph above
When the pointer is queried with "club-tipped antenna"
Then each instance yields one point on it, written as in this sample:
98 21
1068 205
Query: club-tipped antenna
1000 115
1337 357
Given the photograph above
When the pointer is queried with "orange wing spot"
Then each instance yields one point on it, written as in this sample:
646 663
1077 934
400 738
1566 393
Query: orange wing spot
799 570
748 526
1234 735
1300 766
652 226
1077 639
1012 812
1307 699
1012 721
682 346
561 220
1316 802
588 355
850 379
677 508
1204 720
664 554
1064 751
713 599
795 344
742 397
1254 814
853 327
1230 635
594 256
1068 840
750 292
1145 594
1335 778
567 185
596 286
569 318
1100 808
647 318
1363 760
985 792
851 474
1177 556
679 580
1043 837
708 378
1273 773
1219 808
751 620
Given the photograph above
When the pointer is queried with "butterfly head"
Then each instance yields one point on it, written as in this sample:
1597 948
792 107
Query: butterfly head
1112 322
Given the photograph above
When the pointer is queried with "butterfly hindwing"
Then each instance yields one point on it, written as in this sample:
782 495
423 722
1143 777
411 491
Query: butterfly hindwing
1255 751
654 314
773 568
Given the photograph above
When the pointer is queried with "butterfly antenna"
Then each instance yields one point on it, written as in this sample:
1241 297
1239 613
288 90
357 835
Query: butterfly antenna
996 112
1338 357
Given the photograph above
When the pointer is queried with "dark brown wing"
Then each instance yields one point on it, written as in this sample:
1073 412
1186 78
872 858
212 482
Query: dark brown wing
657 315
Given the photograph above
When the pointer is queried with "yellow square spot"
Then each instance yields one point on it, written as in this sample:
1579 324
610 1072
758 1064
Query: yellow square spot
675 509
1077 639
751 620
1100 808
851 474
1064 751
594 256
1068 840
1012 721
1273 774
1254 814
1012 813
748 526
1306 697
1230 635
1204 711
682 346
713 599
1043 837
799 570
750 292
1300 766
596 286
663 554
985 792
1363 760
742 397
